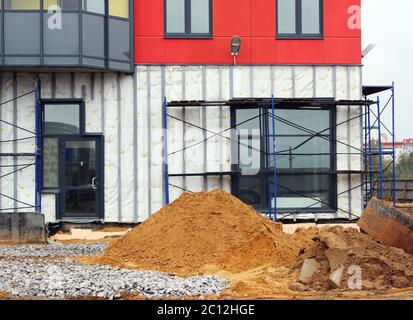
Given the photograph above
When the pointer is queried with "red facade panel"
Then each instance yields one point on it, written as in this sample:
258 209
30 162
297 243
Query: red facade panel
255 22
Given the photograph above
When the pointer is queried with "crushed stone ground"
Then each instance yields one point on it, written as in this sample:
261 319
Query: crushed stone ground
53 250
218 237
31 271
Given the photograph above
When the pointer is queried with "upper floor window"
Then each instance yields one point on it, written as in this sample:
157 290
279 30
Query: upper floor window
299 18
188 18
92 34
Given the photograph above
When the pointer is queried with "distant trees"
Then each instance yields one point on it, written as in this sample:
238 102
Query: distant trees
404 168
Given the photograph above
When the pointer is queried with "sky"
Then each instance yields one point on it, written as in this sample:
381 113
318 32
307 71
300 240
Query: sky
389 24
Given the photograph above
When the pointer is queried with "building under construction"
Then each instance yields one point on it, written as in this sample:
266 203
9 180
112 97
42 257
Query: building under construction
131 103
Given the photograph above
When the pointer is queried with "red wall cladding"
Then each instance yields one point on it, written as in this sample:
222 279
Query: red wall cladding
255 22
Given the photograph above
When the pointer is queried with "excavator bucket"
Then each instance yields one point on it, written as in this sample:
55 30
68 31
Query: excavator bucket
391 226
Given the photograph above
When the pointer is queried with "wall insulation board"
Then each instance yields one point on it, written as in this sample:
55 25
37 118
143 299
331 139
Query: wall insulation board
127 109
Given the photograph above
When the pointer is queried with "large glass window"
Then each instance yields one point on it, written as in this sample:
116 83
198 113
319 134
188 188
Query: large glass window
305 167
299 18
93 34
61 119
188 18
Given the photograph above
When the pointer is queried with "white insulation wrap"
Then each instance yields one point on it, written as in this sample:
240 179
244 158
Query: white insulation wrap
127 110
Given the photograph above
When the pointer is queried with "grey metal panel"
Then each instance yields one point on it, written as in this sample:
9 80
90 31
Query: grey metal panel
61 61
93 62
119 66
93 42
22 33
22 61
119 44
64 41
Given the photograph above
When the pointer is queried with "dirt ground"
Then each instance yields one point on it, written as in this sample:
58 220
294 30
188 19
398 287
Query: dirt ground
216 234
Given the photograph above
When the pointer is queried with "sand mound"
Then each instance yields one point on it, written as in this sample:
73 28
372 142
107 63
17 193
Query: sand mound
205 232
382 267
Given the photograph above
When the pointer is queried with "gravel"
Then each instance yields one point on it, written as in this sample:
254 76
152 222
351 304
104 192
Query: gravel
53 250
29 271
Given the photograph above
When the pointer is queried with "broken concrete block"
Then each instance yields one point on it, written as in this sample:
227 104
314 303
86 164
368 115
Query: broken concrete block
391 226
296 286
308 270
336 277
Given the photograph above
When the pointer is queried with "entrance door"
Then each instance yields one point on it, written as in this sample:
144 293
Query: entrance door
81 178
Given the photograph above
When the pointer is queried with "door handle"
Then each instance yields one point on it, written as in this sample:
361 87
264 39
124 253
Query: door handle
94 184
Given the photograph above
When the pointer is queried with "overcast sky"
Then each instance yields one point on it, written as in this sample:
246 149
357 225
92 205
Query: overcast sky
389 24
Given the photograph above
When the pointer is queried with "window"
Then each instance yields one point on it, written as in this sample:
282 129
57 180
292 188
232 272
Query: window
61 119
95 6
50 163
299 18
188 18
22 4
65 5
306 174
119 8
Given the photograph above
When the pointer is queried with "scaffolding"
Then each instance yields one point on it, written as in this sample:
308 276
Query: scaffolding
36 155
268 108
374 152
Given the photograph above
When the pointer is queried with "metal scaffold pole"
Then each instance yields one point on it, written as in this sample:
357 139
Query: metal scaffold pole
370 154
265 113
274 157
39 147
394 148
165 150
380 149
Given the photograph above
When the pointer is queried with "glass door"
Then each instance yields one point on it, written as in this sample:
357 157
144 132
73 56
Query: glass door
81 178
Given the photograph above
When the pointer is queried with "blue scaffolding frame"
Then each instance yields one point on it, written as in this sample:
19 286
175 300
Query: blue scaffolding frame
20 205
373 120
268 107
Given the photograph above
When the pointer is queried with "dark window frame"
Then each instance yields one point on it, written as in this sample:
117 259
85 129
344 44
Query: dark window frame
267 174
107 60
82 124
298 24
82 135
188 34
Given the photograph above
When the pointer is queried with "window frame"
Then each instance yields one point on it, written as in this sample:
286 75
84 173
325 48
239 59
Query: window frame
188 34
112 64
82 125
267 173
298 24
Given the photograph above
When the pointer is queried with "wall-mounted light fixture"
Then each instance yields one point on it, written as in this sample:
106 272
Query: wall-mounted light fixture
235 47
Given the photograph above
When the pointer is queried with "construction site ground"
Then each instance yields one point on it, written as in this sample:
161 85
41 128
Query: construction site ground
266 262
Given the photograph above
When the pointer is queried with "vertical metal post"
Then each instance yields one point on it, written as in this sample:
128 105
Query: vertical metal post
265 113
394 148
370 153
165 150
365 132
380 149
274 157
39 147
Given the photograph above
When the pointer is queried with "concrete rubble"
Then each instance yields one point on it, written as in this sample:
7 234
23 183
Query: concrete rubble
308 270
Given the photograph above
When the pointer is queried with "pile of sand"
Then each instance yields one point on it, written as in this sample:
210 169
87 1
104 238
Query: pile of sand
215 233
203 233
